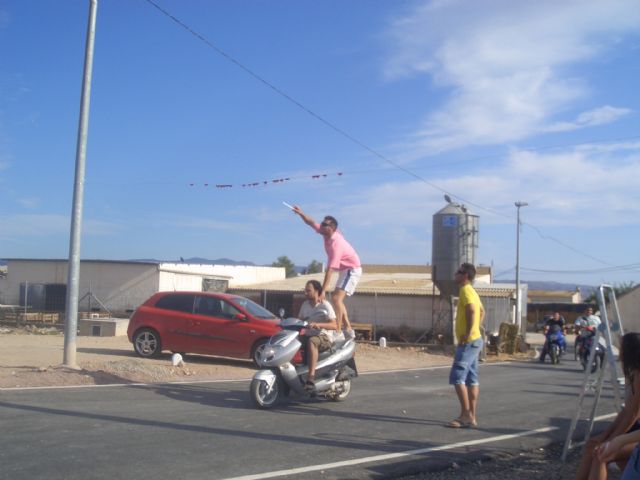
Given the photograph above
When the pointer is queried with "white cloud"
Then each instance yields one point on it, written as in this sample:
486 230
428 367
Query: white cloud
503 65
563 189
598 116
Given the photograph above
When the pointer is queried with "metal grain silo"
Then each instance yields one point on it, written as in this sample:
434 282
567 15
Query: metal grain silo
455 240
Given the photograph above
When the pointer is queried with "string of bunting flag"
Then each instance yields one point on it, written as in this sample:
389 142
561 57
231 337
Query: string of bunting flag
263 182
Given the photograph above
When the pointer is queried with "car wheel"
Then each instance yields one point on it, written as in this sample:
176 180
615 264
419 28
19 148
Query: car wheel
256 351
146 343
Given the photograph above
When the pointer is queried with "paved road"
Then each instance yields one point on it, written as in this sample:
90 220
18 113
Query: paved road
212 431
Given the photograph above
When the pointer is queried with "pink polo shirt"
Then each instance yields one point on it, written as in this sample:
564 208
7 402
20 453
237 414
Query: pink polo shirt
341 254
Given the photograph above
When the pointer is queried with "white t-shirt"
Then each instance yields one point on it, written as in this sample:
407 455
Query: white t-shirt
588 321
320 313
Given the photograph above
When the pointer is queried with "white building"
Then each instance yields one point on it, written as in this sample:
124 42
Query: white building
119 286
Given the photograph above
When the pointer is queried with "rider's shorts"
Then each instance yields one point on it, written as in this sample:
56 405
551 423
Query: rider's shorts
348 279
464 370
321 341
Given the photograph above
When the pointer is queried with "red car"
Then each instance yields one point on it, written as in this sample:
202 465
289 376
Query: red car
201 322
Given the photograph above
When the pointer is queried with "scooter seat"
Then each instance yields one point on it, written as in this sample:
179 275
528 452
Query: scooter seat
337 345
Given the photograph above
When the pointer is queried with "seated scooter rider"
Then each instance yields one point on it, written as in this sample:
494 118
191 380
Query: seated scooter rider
586 325
322 333
555 325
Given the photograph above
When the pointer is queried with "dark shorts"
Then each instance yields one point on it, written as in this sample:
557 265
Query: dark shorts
321 341
464 370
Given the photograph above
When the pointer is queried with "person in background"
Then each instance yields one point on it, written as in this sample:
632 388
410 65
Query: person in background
464 371
555 325
585 326
342 258
613 445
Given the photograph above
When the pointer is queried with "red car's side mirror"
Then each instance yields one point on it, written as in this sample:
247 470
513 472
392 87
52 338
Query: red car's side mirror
240 316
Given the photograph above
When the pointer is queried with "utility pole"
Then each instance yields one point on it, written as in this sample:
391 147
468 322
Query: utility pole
518 299
73 276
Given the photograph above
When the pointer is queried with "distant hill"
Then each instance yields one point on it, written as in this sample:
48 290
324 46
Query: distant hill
219 261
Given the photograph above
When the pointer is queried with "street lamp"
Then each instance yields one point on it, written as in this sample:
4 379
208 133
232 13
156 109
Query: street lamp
518 299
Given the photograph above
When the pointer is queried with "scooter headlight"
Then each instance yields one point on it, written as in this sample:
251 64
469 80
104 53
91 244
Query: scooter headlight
269 353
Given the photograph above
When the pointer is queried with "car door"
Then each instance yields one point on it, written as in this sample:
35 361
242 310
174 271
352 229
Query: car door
215 328
170 316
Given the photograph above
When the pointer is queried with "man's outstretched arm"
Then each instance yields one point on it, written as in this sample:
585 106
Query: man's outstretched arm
305 218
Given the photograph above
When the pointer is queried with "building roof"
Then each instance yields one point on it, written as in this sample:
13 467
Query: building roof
552 293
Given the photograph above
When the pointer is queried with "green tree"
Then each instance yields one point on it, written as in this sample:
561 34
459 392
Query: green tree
619 289
287 264
314 267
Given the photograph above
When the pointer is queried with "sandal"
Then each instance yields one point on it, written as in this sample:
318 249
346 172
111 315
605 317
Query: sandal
459 423
309 386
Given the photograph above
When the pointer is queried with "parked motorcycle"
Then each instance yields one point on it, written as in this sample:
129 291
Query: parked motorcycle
283 369
584 346
553 346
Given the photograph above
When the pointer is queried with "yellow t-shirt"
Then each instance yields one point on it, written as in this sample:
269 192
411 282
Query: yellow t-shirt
468 296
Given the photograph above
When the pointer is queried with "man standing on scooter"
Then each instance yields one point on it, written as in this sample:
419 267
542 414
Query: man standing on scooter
343 258
464 371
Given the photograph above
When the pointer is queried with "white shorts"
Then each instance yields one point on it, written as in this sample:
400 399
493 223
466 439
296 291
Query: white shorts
348 279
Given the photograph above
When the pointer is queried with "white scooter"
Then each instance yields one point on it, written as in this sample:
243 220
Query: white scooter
279 375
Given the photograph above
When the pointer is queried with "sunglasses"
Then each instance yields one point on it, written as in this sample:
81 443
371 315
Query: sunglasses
325 224
460 272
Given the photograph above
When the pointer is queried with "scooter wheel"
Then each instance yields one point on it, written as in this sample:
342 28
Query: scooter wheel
597 363
343 388
264 397
554 353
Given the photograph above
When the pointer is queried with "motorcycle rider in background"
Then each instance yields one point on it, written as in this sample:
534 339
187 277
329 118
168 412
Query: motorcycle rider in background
555 325
585 325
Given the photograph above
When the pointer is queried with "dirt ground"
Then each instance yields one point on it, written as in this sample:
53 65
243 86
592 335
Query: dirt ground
33 357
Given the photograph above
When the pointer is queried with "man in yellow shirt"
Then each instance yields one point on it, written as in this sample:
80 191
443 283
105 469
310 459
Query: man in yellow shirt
464 371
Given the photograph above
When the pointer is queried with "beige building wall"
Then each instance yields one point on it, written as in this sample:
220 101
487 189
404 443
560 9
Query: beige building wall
118 285
391 310
629 308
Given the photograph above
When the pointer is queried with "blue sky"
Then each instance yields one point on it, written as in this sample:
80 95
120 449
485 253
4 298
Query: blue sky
491 101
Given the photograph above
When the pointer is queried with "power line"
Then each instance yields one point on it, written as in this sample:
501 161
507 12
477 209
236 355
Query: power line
304 108
355 140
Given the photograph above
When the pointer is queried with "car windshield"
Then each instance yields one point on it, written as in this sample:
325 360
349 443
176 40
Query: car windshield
254 309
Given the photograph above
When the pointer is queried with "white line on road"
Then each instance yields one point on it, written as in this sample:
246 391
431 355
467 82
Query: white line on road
409 453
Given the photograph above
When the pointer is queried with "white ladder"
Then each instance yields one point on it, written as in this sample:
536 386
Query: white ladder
606 329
